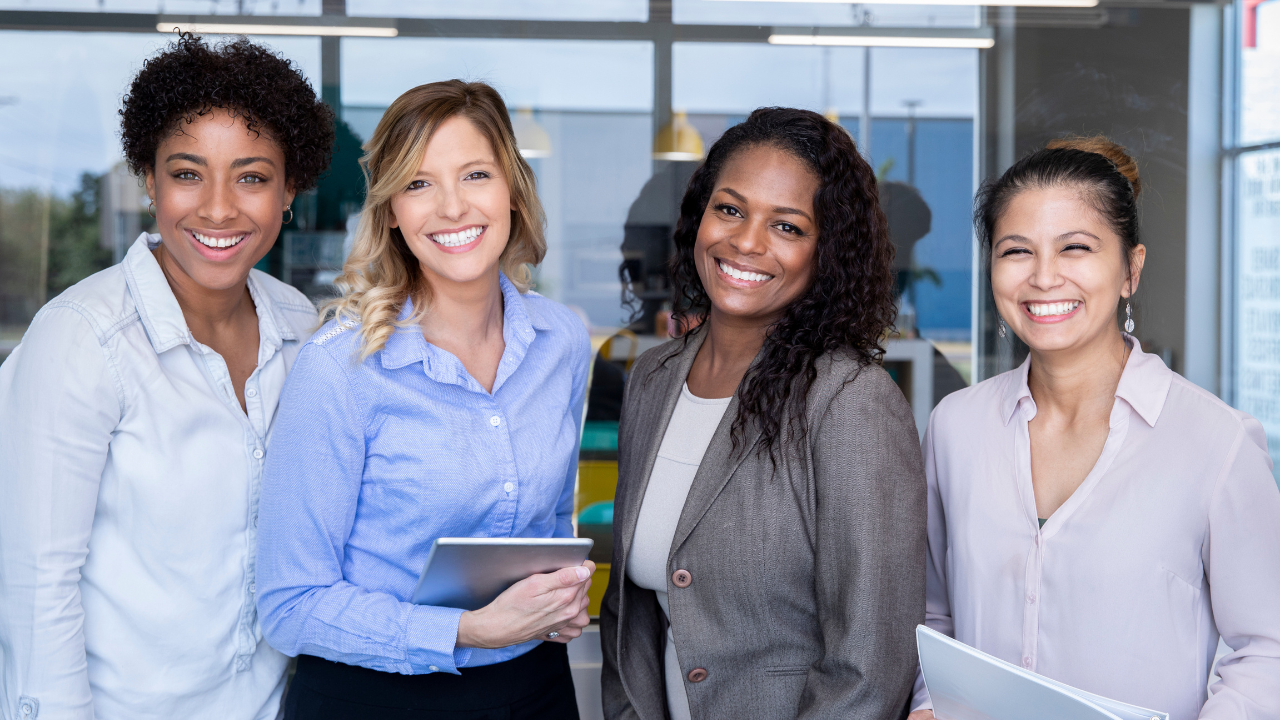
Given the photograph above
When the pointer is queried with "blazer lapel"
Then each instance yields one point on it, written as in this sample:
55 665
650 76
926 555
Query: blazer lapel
656 409
717 466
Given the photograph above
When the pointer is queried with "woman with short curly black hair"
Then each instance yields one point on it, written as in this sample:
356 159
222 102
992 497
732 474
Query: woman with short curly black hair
136 413
769 542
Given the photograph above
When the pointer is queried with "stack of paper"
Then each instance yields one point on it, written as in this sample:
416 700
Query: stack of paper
967 684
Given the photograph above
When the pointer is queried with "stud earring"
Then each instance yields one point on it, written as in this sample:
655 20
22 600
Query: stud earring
1128 317
1000 328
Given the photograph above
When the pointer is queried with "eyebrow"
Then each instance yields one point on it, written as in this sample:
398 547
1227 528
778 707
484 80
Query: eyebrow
188 157
777 209
241 162
1060 238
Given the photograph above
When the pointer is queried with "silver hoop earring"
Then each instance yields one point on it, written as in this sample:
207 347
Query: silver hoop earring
1000 328
1128 317
289 210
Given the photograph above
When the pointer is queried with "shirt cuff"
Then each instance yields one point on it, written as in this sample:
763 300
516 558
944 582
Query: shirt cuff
433 638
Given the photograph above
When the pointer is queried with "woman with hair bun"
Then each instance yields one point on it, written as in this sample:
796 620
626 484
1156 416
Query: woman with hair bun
444 399
136 413
769 523
1093 516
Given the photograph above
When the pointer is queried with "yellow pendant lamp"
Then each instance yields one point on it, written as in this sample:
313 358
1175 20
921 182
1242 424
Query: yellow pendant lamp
679 140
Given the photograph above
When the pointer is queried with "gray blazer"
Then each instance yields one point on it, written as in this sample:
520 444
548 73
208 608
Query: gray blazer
802 588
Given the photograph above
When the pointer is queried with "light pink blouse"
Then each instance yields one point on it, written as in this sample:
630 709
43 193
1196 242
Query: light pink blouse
1173 538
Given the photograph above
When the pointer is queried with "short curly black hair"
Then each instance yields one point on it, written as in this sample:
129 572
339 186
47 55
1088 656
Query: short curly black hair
190 78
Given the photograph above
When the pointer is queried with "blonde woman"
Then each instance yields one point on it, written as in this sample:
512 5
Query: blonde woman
443 399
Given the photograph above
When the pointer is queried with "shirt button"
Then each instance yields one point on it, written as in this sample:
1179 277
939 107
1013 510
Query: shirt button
253 588
495 421
26 707
509 487
251 393
257 453
681 579
1031 599
1026 663
433 668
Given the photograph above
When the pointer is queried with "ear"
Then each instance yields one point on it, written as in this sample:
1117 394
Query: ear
391 217
1137 257
151 184
289 194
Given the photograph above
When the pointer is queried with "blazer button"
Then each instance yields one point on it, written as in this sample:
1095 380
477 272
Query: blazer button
682 579
697 675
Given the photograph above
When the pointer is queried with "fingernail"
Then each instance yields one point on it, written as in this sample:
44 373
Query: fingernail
583 573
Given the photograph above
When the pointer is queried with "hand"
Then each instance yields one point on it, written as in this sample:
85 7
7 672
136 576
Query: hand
922 714
530 609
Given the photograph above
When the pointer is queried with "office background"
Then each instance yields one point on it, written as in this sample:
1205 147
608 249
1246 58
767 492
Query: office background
614 102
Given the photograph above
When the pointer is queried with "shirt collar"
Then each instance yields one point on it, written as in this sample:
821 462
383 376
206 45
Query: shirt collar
519 328
1144 384
162 316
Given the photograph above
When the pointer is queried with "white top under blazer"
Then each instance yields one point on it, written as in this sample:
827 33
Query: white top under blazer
1172 539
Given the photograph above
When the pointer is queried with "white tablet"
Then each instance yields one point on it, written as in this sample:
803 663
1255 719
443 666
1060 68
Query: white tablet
468 573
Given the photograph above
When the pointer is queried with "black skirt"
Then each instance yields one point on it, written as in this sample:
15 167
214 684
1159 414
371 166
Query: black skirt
537 685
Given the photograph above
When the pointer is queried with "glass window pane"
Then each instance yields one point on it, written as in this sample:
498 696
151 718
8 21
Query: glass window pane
751 12
634 10
1260 74
923 103
172 7
1257 351
593 101
68 206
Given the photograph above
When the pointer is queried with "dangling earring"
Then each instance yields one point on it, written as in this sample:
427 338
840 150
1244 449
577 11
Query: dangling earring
1128 317
289 209
151 209
1000 328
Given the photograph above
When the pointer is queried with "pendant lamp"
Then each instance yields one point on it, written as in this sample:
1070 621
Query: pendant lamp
679 140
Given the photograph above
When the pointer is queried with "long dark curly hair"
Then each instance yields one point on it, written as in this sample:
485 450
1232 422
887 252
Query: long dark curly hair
190 78
850 303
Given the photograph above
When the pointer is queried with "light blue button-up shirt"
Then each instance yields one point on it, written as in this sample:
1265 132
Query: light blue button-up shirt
372 461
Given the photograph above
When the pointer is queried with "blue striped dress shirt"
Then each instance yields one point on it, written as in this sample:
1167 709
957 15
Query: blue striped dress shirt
371 461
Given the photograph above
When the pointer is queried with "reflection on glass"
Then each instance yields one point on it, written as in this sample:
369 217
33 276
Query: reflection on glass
1257 350
172 7
1260 73
582 111
634 10
824 14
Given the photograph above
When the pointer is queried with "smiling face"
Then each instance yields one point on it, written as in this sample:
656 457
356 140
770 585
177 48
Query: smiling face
220 193
758 235
1058 270
455 214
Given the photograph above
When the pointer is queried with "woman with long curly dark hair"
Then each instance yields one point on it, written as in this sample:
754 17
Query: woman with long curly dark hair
769 540
135 415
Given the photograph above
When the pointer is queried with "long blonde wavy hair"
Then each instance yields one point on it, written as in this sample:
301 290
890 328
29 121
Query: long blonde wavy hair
381 272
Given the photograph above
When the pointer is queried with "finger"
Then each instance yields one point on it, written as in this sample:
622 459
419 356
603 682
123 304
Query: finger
581 620
590 566
571 576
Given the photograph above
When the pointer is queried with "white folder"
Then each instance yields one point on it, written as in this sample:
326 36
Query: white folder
968 684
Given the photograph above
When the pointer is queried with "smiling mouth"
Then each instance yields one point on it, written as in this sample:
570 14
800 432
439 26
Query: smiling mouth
216 242
1052 309
742 274
458 239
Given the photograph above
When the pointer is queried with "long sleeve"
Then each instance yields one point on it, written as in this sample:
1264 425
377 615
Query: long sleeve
1242 562
310 492
937 602
564 507
870 549
59 404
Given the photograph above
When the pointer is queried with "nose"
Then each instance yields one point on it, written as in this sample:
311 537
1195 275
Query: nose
752 237
453 202
218 204
1045 275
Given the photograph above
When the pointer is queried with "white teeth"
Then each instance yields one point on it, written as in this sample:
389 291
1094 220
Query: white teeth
214 242
1052 309
457 239
741 275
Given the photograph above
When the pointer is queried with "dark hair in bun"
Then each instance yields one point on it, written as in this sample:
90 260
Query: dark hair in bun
1100 168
